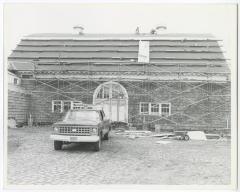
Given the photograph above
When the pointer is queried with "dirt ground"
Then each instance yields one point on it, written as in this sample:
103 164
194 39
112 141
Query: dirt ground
33 161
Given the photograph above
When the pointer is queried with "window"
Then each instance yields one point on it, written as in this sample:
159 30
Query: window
27 76
155 108
103 93
82 116
100 93
117 93
165 109
161 109
66 105
15 81
144 108
57 106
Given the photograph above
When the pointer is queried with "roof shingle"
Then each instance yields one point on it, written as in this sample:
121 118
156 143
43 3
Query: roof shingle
166 50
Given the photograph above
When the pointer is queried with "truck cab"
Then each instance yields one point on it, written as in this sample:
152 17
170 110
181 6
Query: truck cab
81 125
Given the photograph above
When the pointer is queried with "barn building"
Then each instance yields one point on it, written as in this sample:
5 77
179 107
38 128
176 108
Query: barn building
175 81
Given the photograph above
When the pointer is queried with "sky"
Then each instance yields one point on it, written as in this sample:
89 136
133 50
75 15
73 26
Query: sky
24 19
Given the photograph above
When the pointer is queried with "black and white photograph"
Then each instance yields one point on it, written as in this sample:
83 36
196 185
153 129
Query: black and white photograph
120 94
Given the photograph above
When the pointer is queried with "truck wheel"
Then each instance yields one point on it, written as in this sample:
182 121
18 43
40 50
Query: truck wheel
182 137
58 145
186 138
97 145
105 136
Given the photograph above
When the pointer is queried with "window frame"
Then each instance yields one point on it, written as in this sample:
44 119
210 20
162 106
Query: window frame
15 81
61 106
154 113
169 109
26 76
150 109
143 113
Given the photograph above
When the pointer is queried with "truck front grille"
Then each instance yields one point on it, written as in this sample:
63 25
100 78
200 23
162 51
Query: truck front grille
75 130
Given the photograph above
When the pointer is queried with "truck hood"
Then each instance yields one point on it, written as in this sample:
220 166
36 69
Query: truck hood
80 123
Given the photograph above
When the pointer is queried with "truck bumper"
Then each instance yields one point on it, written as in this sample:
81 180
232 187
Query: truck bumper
73 138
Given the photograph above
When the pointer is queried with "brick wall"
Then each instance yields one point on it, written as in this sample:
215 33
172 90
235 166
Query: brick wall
204 107
18 104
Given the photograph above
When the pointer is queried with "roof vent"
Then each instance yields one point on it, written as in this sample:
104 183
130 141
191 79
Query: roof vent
137 31
79 29
153 31
158 29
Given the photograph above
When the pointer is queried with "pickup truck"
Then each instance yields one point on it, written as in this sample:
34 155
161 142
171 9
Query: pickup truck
82 125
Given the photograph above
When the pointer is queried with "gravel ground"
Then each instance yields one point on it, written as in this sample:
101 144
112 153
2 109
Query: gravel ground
32 161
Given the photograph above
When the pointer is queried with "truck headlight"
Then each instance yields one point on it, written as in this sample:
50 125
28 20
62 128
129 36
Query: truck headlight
94 131
55 129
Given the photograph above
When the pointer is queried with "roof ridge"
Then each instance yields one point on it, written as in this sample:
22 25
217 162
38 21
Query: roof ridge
120 36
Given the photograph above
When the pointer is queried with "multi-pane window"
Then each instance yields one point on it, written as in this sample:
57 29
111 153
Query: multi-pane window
154 108
100 94
27 76
165 109
144 108
117 93
66 105
106 92
15 81
110 91
57 106
103 93
162 109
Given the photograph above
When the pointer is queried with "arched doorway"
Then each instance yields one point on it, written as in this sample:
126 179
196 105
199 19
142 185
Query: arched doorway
113 98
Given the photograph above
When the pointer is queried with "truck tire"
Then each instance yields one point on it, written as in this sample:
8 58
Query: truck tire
186 138
105 136
58 145
97 145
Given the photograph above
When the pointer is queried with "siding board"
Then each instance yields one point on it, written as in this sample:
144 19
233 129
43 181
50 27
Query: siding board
18 106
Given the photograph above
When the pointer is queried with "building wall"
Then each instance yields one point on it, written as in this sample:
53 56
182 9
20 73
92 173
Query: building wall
206 107
13 79
18 103
193 105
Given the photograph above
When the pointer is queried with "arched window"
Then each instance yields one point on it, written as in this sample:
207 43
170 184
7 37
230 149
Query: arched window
111 90
113 99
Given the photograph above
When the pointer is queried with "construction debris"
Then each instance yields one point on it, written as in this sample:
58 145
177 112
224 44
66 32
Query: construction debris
132 137
181 135
134 134
119 130
196 135
12 123
213 136
132 128
165 135
138 132
176 135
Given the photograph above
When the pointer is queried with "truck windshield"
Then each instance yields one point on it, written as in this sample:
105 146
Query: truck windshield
82 116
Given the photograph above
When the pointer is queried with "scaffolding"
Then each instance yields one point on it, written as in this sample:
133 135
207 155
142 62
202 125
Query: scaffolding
202 98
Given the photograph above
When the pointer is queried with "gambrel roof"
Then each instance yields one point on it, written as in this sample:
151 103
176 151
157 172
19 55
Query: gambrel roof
194 52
